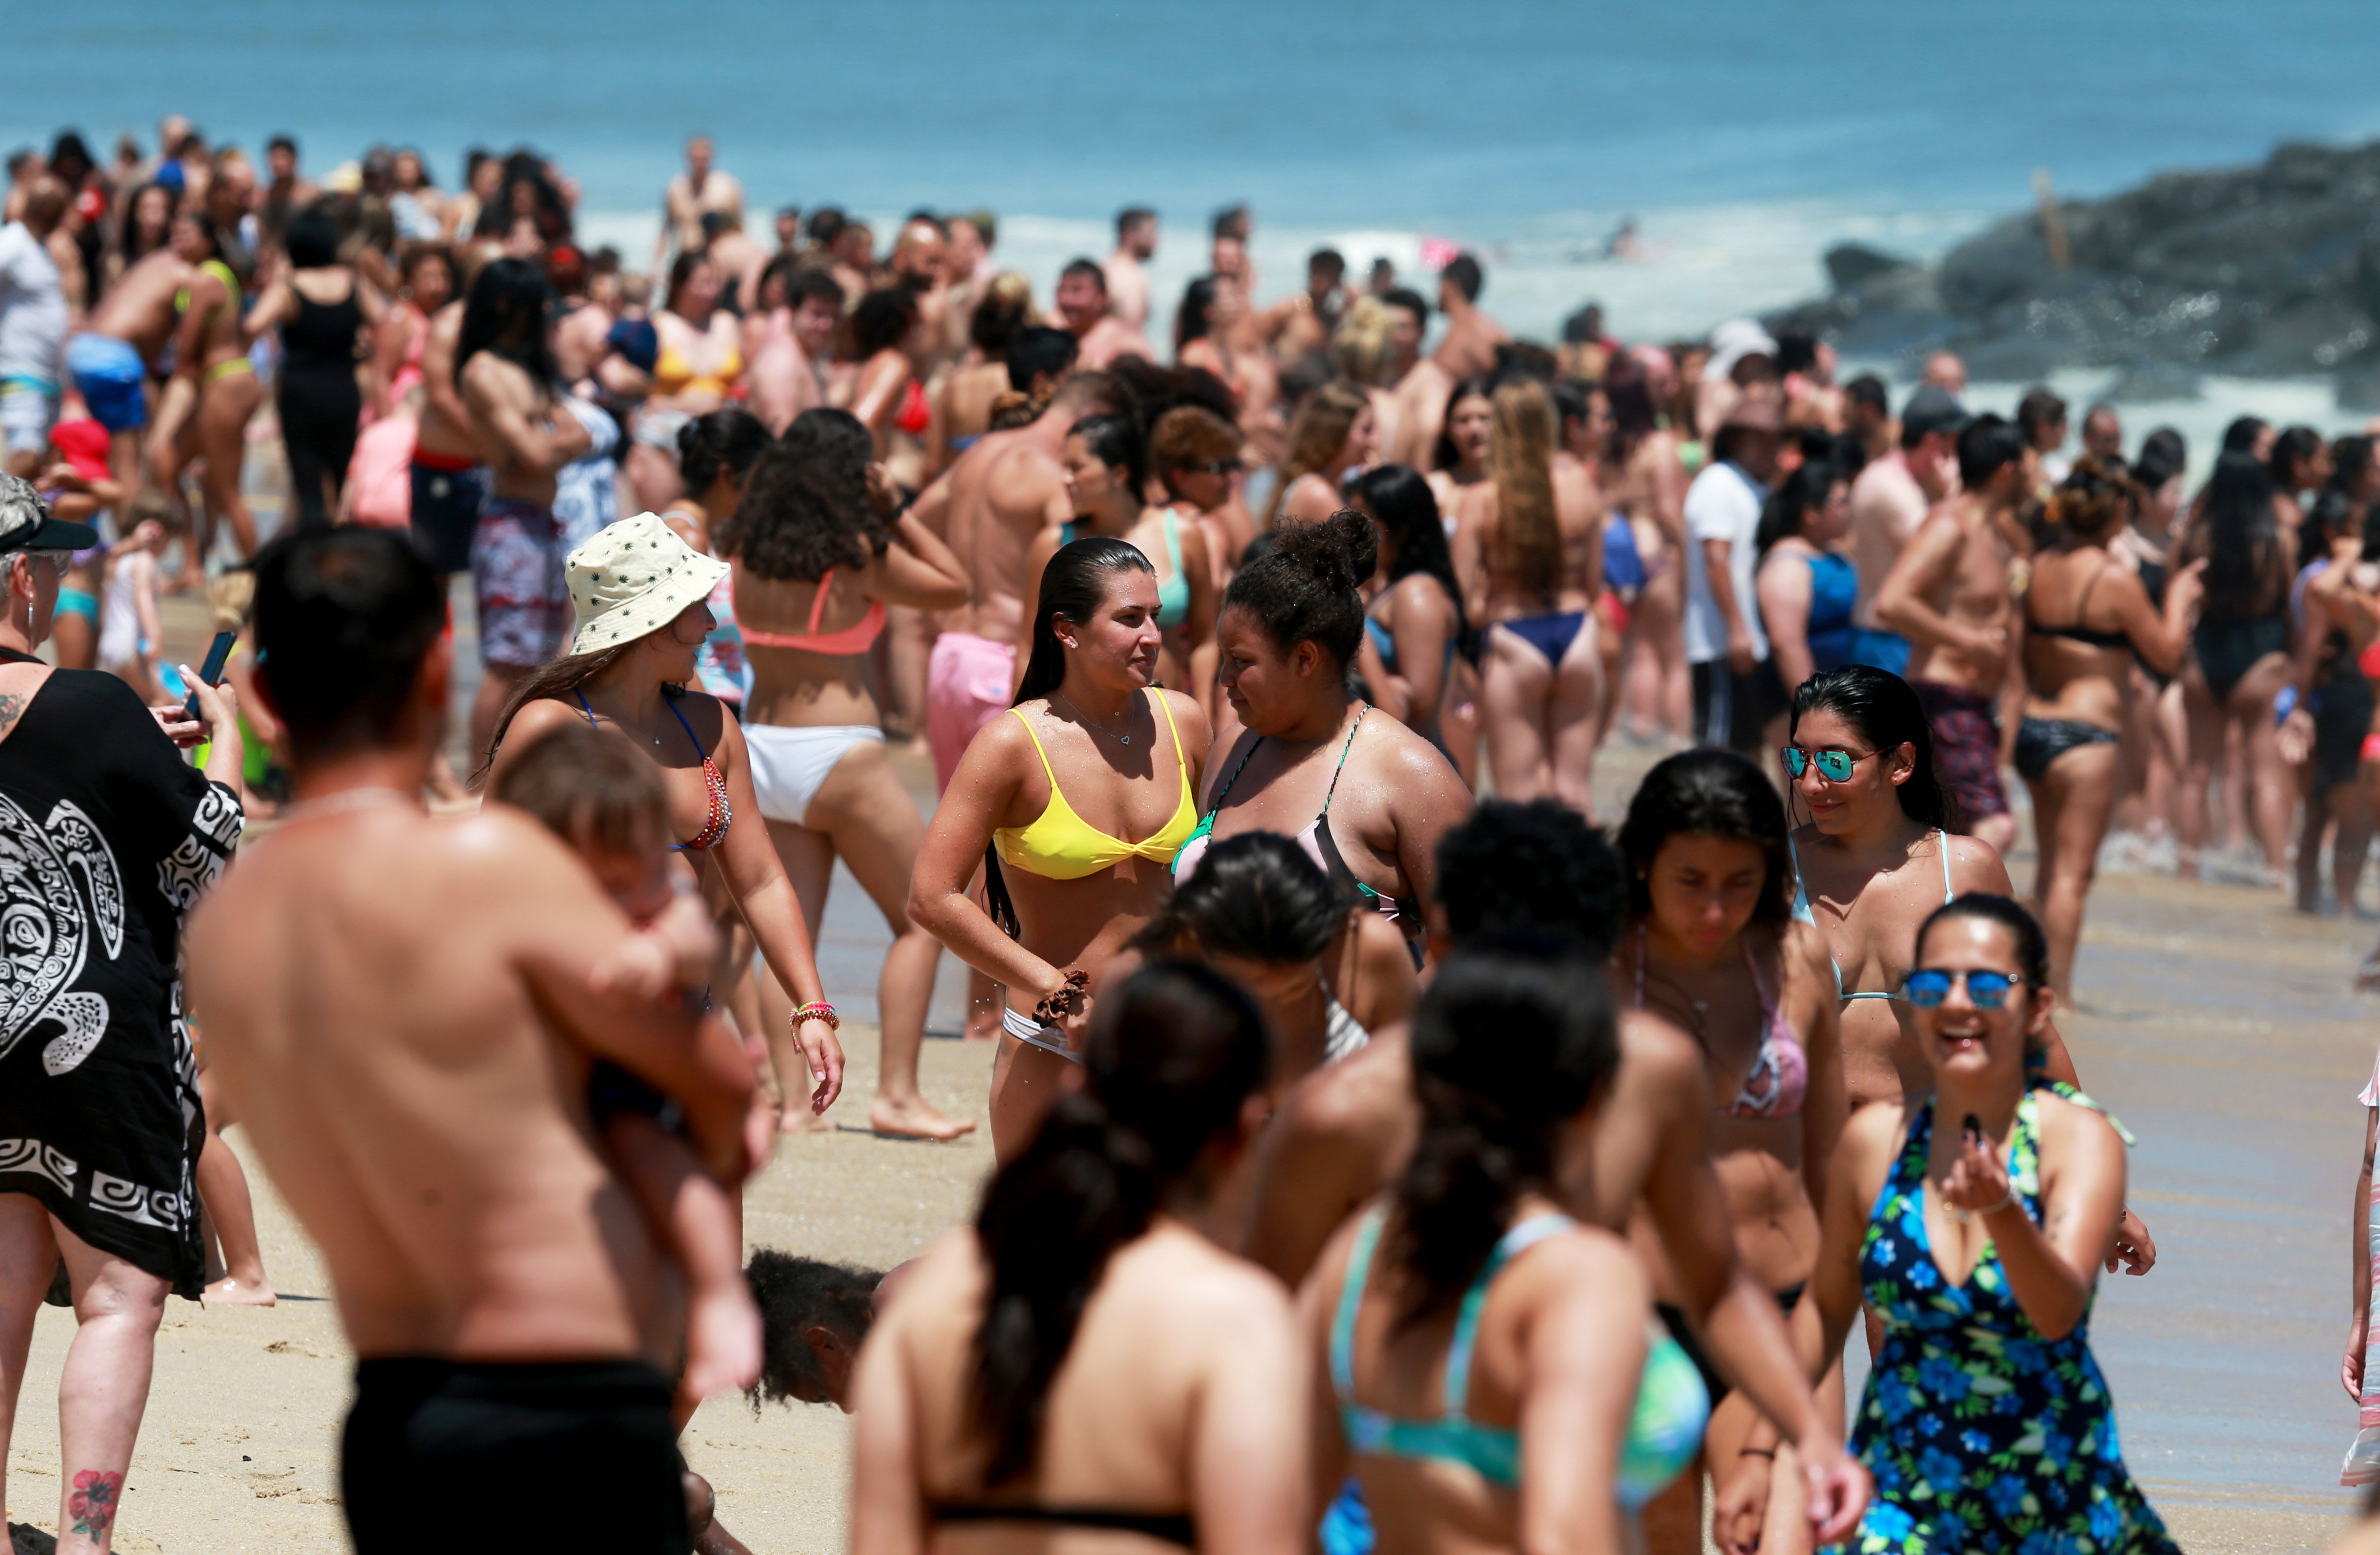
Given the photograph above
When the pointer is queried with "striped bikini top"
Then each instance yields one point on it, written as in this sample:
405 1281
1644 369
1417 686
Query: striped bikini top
1803 913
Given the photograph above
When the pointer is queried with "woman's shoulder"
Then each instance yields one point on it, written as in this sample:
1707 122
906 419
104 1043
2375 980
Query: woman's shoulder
1396 749
2074 1120
1420 590
541 716
1191 1276
1975 865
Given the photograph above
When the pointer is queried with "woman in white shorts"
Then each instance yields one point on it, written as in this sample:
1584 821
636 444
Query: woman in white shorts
817 553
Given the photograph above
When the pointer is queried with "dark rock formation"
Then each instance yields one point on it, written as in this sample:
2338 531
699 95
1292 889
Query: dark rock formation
2264 271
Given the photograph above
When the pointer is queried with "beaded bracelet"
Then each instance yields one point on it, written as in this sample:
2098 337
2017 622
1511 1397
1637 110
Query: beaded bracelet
818 1009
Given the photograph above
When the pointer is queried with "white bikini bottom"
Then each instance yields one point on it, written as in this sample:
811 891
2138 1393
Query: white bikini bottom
789 765
1033 1034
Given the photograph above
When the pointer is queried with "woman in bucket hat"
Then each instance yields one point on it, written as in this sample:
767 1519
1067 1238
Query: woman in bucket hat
638 593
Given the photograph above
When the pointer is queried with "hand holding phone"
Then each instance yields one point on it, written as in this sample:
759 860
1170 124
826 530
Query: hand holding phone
218 655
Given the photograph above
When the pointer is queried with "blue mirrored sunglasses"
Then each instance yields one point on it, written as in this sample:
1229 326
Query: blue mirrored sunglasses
1927 987
1833 765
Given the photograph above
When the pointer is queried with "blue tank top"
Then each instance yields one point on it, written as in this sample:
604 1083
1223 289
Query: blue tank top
1834 589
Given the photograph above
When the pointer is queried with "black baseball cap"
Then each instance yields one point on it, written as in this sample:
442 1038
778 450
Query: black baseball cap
26 524
1933 409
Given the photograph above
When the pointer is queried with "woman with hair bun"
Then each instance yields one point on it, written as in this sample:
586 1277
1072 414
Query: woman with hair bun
1082 1363
1366 797
1075 805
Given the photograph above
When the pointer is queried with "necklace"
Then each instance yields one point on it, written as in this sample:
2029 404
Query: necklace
346 799
1089 722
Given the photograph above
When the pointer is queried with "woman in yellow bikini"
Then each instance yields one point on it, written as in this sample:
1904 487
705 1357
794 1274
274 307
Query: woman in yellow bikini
213 391
1074 806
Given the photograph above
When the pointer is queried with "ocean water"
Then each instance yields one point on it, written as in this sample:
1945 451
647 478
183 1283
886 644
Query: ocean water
1743 138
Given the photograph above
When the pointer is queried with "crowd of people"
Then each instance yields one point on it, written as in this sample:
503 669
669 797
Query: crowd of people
1371 1157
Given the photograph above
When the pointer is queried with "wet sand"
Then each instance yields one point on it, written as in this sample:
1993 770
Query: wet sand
2213 1020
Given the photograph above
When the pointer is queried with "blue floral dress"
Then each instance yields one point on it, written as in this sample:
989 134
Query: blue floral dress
1982 1433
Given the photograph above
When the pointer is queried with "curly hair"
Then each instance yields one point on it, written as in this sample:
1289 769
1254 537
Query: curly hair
805 507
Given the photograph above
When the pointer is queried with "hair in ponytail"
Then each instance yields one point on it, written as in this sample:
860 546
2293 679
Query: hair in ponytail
1883 710
1306 589
1175 1054
1516 1037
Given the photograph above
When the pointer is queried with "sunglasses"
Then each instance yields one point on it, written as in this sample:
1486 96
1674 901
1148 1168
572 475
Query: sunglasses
1927 987
1833 765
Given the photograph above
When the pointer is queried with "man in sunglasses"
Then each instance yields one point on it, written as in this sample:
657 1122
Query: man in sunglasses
1949 595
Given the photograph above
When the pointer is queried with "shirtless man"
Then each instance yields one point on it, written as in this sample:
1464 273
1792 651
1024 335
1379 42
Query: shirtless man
1344 1132
1949 596
1306 323
1889 500
1421 384
791 344
448 482
123 340
1229 253
1128 278
921 264
1082 304
1469 346
525 435
688 197
1867 416
403 1012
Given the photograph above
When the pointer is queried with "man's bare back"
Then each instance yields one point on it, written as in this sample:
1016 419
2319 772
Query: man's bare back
399 1010
1421 414
139 310
1001 493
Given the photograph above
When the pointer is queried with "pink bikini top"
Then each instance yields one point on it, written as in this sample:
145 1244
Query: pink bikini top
1780 1075
857 638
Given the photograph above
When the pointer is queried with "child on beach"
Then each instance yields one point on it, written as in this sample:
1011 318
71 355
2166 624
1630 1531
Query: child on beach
605 801
131 634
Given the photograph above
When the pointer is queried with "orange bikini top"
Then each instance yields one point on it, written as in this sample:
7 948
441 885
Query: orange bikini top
857 638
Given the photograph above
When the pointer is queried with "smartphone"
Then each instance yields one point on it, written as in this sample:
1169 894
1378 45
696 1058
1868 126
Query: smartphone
218 654
1974 1128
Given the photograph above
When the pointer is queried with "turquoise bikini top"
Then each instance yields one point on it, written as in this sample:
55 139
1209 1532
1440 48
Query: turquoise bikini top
1664 1434
1174 594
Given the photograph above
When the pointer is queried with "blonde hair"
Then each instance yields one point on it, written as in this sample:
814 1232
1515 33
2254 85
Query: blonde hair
1520 466
1360 345
1316 437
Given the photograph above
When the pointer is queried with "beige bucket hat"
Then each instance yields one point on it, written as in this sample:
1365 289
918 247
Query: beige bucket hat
633 577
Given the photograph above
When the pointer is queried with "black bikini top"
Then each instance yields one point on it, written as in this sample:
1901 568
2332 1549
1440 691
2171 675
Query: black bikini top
2077 632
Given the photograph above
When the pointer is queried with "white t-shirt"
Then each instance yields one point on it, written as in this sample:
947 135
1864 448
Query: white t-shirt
32 307
1722 503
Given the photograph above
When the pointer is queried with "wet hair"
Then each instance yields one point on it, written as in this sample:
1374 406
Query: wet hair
2163 455
1515 1037
1464 272
1883 710
1401 502
809 281
1520 467
1316 435
1305 587
1537 866
1073 585
1084 269
2241 436
344 618
805 507
1478 387
1868 389
1986 445
2242 538
1190 318
882 321
506 315
794 1295
2038 412
1174 1055
2094 500
1257 896
1116 442
1005 306
311 240
1038 348
596 791
1190 434
723 441
2294 443
2032 945
1795 497
1709 794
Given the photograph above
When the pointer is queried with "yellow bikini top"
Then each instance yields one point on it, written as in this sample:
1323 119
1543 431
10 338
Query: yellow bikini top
672 376
1062 845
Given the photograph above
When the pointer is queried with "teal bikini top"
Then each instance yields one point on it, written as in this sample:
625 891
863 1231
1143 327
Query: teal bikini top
1801 911
1664 1434
1174 594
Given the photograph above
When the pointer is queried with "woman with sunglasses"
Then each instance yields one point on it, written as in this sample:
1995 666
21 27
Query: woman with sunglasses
1712 946
1994 1197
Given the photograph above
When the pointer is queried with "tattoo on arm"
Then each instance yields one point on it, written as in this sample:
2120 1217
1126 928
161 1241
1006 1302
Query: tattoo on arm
91 1504
12 708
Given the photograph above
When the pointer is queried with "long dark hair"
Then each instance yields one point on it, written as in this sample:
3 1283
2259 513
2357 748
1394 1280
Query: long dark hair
1115 442
1709 794
1190 318
1628 390
1483 387
1400 500
506 315
1073 585
1516 1037
1174 1056
1306 587
725 440
2241 537
805 507
1883 710
1807 488
1257 896
558 678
